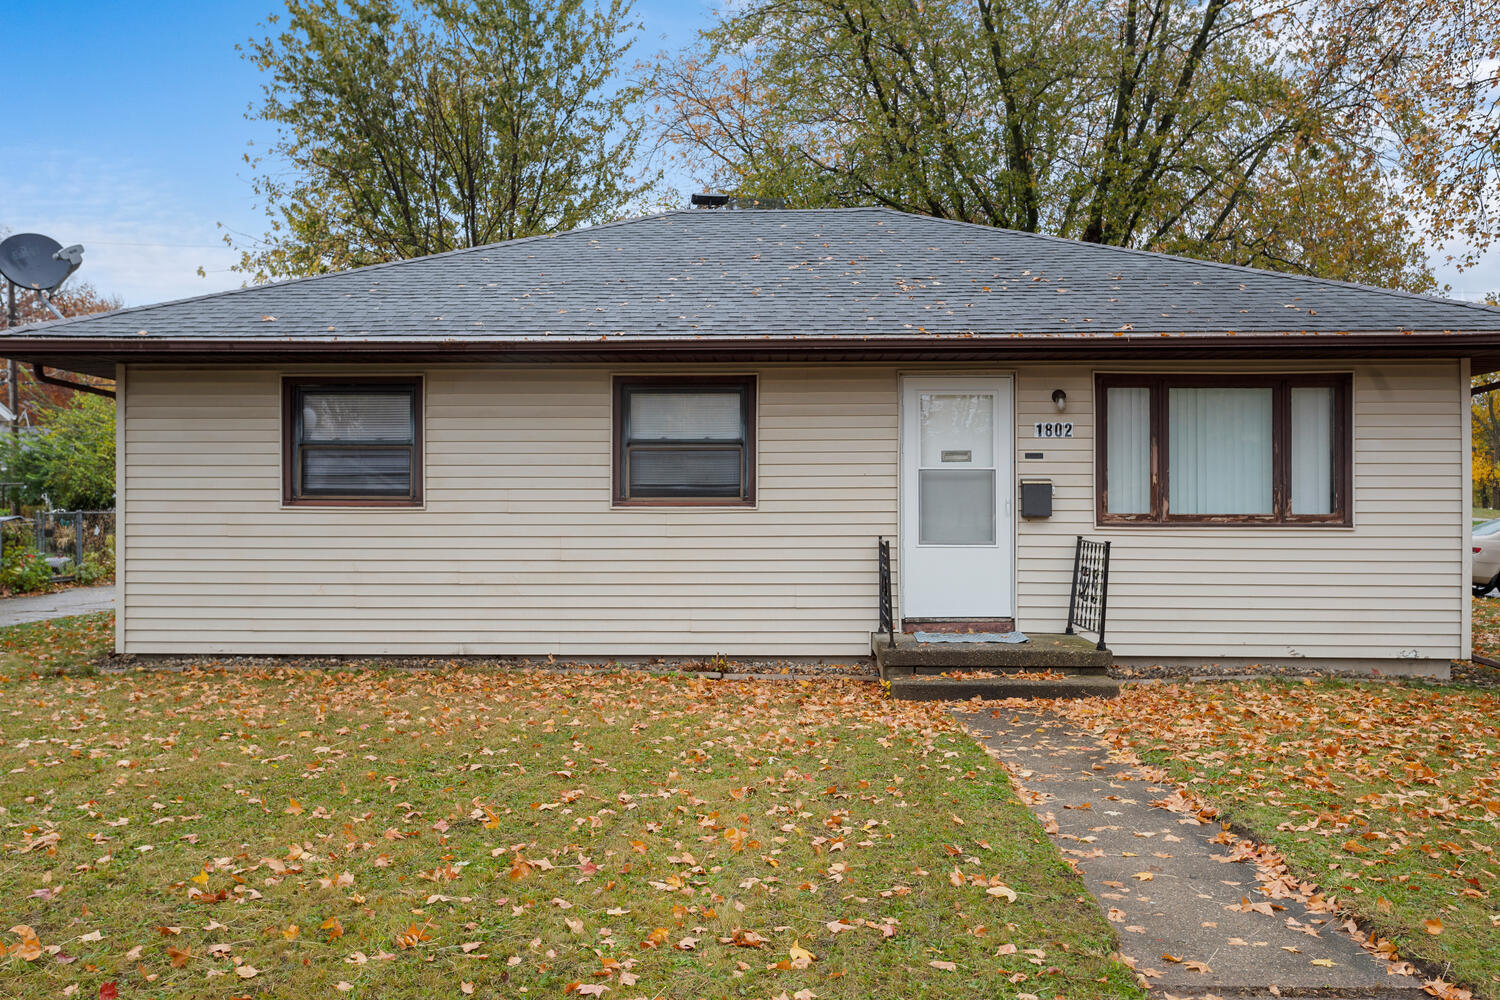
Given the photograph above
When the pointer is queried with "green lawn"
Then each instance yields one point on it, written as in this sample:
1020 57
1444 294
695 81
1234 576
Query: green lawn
1485 514
1386 795
389 834
1487 626
60 644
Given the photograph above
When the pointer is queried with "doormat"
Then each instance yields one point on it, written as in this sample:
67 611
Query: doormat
1013 637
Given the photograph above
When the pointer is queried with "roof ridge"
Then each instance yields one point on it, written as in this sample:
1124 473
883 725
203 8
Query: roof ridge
1241 268
303 279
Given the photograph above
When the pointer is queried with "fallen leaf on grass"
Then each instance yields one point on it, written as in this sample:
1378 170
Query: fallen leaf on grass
413 936
30 949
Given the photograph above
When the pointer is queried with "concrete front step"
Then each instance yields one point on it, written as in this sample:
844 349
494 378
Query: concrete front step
920 687
1070 653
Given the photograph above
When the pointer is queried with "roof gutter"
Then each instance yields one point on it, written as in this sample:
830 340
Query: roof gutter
98 356
41 376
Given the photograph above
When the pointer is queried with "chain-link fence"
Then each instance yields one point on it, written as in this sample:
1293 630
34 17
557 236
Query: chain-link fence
75 544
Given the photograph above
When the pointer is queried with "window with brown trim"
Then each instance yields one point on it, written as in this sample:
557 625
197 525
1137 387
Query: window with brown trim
684 441
1223 449
352 442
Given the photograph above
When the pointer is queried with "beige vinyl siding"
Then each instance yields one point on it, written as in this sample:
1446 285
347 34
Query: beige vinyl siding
517 550
1393 585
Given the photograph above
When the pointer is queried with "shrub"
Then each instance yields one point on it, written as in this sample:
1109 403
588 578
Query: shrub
98 564
24 570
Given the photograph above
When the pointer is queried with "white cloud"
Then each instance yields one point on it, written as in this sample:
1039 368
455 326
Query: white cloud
142 240
1472 283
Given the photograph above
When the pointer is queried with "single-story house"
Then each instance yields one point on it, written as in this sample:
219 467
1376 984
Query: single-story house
683 436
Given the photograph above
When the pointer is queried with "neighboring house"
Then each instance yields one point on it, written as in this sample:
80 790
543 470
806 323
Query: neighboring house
683 435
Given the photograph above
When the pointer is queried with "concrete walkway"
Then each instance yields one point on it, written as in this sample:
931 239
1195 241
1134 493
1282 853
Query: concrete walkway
1166 885
75 601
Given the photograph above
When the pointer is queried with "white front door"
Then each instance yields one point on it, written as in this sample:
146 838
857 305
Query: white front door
957 539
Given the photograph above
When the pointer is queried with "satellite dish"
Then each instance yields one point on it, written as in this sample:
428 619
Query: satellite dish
37 262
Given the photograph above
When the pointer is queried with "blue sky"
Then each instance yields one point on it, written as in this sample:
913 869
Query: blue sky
138 152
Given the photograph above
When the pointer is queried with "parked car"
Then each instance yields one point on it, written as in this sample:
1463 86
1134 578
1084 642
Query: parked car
1486 542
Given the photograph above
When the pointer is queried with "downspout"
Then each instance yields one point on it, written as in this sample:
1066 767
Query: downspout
42 376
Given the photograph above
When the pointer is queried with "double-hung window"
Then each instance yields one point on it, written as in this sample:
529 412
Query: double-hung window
681 441
352 442
1223 449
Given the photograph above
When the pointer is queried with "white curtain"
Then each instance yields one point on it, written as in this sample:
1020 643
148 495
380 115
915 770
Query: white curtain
1219 459
1312 450
1128 458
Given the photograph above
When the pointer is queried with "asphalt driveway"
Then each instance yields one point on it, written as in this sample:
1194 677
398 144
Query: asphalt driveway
64 603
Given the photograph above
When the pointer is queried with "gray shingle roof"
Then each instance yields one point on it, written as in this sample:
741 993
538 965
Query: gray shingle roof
783 274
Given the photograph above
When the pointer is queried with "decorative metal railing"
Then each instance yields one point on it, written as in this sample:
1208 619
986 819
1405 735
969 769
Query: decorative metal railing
1090 595
887 609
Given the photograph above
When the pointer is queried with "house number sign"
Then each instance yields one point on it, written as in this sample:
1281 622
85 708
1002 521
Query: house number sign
1054 429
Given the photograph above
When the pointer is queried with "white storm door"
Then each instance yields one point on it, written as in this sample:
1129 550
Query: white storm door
957 536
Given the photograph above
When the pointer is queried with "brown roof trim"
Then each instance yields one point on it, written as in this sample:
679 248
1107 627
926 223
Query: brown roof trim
99 355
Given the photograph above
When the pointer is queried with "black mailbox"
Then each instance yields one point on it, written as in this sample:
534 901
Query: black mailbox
1036 498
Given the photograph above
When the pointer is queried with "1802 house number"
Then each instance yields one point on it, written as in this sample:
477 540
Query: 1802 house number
1057 429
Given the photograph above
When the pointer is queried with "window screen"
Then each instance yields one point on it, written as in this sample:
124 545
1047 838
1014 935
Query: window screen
353 441
681 440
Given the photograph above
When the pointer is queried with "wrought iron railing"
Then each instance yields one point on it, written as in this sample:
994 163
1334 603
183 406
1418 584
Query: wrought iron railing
1090 595
887 609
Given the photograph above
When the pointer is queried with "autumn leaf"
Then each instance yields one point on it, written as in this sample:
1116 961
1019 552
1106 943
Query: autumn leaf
1433 925
334 928
179 956
30 949
412 936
